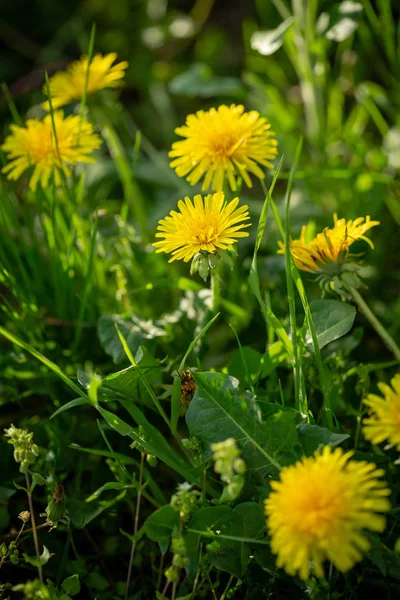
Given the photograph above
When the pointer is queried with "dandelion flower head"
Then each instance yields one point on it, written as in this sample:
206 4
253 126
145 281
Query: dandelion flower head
223 143
204 224
69 85
319 508
330 246
35 145
383 422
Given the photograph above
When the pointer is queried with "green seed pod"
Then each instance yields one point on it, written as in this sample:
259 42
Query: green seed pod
151 459
172 574
55 509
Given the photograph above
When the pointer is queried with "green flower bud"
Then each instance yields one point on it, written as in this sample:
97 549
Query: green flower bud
55 510
24 516
151 459
25 451
204 267
172 574
213 547
185 500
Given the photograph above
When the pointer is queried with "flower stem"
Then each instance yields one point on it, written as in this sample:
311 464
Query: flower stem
167 584
226 590
376 324
33 521
215 289
135 527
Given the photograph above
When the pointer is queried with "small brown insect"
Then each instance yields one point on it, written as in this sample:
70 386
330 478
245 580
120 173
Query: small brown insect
188 388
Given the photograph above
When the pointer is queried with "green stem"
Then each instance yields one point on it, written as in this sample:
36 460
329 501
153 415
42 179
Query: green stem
33 521
215 289
376 324
304 14
226 590
135 527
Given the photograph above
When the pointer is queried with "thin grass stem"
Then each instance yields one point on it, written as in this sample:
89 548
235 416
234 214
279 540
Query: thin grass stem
33 521
376 324
135 526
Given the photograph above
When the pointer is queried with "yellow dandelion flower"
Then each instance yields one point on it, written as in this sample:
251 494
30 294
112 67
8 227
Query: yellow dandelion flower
330 246
319 508
35 145
68 86
205 224
223 143
383 423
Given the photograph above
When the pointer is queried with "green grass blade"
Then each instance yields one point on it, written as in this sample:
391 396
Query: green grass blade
46 361
88 282
142 377
289 282
194 342
244 362
254 281
85 86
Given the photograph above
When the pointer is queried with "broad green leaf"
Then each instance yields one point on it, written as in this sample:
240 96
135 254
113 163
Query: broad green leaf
160 524
248 522
209 520
268 42
332 319
312 437
71 585
97 581
235 530
219 411
134 330
42 560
